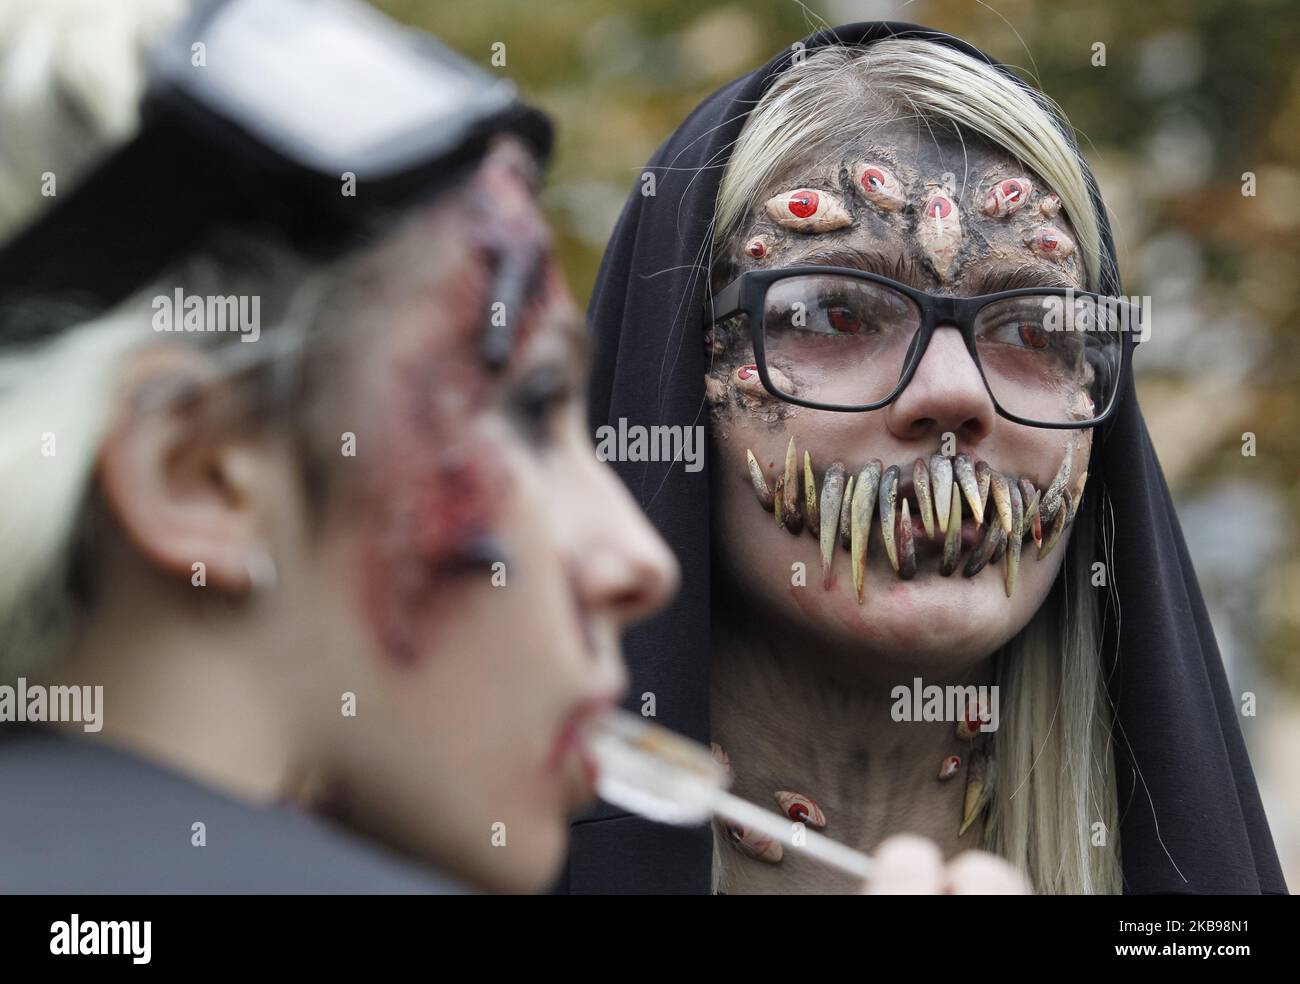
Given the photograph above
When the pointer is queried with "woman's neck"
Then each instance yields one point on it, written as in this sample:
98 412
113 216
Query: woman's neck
789 720
188 698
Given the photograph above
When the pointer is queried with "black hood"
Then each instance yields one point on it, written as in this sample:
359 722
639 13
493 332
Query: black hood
1191 819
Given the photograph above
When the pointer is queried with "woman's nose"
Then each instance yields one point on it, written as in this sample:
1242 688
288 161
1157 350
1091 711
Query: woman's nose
946 393
622 568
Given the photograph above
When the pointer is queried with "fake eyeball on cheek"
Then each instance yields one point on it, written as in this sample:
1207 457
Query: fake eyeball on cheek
806 210
879 186
1050 242
1007 197
750 384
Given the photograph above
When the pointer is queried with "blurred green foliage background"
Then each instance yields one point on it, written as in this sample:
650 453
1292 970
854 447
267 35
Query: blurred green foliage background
1195 98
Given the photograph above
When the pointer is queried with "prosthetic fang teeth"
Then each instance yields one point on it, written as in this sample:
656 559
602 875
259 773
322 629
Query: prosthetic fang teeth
952 539
841 511
964 471
983 554
1051 499
983 475
1002 500
792 518
1015 538
811 512
1030 496
832 494
888 502
921 486
864 504
941 485
906 547
1058 524
846 514
759 482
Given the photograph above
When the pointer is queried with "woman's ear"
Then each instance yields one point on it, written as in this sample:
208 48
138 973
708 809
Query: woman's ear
177 475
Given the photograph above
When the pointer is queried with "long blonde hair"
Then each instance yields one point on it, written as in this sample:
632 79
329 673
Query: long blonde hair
1054 811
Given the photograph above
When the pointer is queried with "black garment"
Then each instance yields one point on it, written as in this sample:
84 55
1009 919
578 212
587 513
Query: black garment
79 817
1180 759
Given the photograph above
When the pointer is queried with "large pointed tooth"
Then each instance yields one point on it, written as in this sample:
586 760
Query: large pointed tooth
832 494
778 503
979 785
952 538
999 486
983 554
1076 497
941 487
790 498
924 505
1016 538
864 504
964 471
811 508
846 513
759 482
1001 547
888 503
1052 496
906 547
983 473
1029 496
1058 524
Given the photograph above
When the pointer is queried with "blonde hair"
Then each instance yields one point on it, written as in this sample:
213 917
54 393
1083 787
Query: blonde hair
843 89
1054 811
59 395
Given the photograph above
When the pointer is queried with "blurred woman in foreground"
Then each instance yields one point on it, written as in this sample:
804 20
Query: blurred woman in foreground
351 555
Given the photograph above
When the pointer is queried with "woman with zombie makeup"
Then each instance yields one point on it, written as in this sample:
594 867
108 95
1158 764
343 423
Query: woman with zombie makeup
881 271
347 572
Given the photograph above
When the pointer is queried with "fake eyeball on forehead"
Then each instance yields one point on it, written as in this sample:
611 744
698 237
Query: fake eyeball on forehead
938 231
1050 242
759 247
1007 197
806 210
879 186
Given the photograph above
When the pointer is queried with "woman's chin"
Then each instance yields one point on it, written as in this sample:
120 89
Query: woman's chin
943 623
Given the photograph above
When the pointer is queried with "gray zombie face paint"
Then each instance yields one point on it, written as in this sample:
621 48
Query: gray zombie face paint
940 211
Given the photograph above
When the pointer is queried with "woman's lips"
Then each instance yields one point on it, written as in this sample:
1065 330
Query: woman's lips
569 753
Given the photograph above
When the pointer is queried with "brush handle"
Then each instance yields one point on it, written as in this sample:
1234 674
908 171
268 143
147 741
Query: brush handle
815 845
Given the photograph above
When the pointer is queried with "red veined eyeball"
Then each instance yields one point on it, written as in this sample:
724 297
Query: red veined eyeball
803 203
873 178
1012 190
938 205
746 372
1048 240
756 248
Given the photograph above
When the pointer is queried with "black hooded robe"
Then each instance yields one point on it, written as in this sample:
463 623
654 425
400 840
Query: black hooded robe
1191 819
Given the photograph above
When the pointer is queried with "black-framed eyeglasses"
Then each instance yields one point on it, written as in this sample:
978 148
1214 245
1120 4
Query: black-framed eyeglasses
834 338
